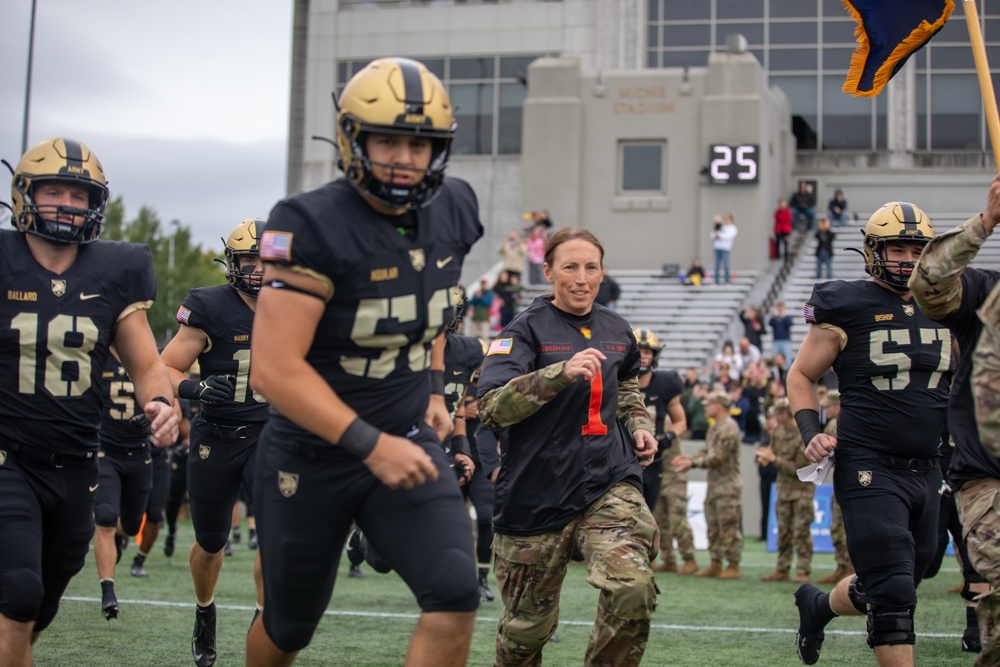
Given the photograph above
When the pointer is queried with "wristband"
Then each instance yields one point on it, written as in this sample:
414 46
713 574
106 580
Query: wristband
359 438
670 436
460 445
809 425
188 389
437 383
162 399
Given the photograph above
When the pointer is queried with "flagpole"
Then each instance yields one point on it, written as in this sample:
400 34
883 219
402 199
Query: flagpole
985 82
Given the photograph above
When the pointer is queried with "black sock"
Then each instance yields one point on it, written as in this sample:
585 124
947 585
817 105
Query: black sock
139 559
207 611
817 612
484 570
253 532
107 587
970 618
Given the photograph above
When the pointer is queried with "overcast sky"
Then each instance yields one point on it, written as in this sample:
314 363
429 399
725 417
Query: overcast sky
184 102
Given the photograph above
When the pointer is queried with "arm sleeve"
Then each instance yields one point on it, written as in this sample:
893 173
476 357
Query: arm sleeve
936 283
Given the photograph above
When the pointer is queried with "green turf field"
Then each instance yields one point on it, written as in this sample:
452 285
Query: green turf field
698 622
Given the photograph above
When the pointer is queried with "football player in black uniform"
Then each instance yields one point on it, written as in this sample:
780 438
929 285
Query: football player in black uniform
190 413
561 380
66 297
126 476
664 488
359 283
893 364
215 330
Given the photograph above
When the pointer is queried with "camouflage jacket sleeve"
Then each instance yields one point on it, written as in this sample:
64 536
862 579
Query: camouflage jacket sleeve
986 374
790 453
936 282
522 397
632 406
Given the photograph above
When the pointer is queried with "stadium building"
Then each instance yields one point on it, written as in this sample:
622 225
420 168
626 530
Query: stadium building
650 116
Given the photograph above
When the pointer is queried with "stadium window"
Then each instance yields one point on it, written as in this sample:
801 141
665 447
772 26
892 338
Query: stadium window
641 167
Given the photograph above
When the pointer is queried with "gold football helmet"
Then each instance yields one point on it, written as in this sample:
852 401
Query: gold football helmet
647 340
244 242
64 161
394 96
895 221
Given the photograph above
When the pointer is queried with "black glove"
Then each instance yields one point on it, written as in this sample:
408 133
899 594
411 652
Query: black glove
213 389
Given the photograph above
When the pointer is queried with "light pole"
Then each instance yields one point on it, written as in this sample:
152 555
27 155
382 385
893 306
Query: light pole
170 275
27 85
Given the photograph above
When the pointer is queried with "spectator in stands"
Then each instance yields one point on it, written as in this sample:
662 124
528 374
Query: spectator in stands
739 408
782 228
775 390
507 290
824 248
513 253
753 325
748 354
609 291
837 209
694 410
767 474
536 255
542 220
781 330
481 301
724 232
778 367
695 274
727 357
754 389
803 203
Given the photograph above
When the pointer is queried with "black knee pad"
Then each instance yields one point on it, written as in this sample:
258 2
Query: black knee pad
452 587
213 542
288 635
104 515
21 592
888 628
131 526
856 592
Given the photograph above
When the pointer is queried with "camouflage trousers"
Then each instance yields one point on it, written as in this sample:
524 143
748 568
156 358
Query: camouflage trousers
795 517
671 518
839 537
619 538
722 519
979 511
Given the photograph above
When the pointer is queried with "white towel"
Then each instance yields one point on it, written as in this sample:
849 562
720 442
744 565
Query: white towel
816 472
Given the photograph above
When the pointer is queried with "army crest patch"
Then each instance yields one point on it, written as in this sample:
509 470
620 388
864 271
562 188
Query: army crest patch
288 483
864 477
908 309
58 287
418 259
204 451
3 457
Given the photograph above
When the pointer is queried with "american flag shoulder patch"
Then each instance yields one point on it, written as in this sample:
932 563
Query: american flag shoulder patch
183 314
276 246
500 346
809 312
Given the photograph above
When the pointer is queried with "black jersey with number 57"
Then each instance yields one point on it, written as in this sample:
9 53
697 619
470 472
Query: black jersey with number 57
390 289
894 367
55 330
222 315
123 423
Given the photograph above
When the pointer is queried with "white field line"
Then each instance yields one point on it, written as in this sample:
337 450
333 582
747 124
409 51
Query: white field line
487 619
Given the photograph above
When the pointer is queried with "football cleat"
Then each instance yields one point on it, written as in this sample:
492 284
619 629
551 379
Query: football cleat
109 603
970 640
355 572
170 543
203 639
138 569
485 593
252 541
237 536
228 549
357 545
808 642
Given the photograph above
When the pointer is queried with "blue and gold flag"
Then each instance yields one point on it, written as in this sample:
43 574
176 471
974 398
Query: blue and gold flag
889 32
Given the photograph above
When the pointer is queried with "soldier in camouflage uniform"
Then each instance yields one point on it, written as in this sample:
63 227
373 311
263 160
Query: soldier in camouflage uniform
948 290
837 535
794 507
723 508
671 519
561 382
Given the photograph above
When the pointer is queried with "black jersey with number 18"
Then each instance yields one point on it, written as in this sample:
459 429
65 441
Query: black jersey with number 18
55 330
390 289
894 367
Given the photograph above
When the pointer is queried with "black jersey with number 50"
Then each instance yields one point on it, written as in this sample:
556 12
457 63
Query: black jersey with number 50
221 314
894 367
123 423
389 294
462 356
55 330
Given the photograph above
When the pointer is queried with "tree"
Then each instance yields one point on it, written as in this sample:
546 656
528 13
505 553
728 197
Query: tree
179 264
